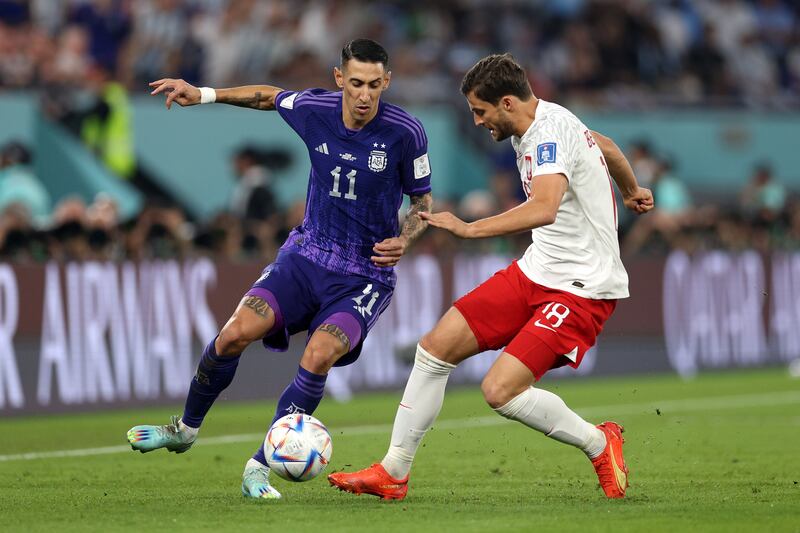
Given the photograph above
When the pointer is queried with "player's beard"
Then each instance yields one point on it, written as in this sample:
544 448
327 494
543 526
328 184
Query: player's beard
502 130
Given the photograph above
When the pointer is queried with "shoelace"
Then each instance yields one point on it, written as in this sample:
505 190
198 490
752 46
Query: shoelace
169 429
258 474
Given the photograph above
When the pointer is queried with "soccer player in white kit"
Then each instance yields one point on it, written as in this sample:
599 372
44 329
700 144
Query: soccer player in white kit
548 307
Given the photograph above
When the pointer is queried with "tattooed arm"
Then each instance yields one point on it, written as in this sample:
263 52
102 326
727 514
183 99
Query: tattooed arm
185 94
253 96
389 251
414 225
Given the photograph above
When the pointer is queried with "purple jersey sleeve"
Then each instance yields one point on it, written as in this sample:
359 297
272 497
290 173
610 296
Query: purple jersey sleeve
415 170
295 106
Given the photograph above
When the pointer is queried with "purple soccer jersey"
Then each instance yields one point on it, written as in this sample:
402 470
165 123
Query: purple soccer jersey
357 180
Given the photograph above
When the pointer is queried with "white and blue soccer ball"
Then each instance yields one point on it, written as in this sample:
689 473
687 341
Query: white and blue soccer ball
298 447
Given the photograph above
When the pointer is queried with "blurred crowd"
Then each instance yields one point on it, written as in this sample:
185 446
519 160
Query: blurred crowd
33 228
619 53
86 57
763 216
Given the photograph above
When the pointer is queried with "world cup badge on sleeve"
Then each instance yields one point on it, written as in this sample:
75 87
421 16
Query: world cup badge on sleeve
546 153
377 161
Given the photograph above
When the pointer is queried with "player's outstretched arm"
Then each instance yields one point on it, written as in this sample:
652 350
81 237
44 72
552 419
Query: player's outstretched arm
637 199
253 96
185 94
389 251
539 210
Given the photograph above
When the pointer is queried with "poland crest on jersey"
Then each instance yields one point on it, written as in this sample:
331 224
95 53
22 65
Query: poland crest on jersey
377 161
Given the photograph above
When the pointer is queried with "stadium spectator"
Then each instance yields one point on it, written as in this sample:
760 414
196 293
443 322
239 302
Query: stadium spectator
67 238
706 63
228 40
731 20
19 185
222 237
252 197
159 233
671 194
103 229
18 238
643 162
743 53
160 29
644 49
107 24
671 216
106 127
763 198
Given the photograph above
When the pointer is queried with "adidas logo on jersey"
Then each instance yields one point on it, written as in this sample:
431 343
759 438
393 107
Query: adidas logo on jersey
322 148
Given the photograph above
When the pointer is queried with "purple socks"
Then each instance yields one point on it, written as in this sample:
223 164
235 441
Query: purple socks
214 374
301 396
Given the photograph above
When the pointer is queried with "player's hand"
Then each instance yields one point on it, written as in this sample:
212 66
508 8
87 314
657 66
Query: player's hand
448 221
640 202
389 251
178 91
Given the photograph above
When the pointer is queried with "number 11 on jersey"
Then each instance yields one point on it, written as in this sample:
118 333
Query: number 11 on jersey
351 177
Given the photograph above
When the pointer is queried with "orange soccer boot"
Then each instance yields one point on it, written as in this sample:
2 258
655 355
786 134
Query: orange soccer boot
374 480
610 465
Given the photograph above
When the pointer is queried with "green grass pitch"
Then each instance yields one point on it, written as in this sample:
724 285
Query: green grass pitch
717 453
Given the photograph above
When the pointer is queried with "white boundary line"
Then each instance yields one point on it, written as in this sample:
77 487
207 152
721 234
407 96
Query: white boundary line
667 407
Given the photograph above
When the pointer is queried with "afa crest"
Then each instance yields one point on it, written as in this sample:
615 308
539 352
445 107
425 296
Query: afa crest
377 161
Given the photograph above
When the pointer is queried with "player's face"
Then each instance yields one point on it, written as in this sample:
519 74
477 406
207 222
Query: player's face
362 84
492 117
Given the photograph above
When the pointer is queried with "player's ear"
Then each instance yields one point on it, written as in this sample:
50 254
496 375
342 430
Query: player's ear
387 79
507 103
339 77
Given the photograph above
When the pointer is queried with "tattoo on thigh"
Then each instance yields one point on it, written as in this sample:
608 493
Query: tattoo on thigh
337 332
256 304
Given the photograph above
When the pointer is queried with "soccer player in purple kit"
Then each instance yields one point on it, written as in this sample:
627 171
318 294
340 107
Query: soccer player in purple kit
334 274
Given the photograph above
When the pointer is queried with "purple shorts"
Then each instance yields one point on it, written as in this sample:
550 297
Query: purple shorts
305 296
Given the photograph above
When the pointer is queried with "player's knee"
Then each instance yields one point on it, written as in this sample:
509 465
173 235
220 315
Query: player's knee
428 342
233 339
435 345
496 392
318 358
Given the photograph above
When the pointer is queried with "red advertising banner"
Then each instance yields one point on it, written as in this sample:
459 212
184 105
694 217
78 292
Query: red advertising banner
88 335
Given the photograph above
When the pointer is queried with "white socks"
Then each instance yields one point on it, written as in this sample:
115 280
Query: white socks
546 412
421 403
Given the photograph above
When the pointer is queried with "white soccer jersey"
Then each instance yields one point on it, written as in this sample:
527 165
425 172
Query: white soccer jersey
579 252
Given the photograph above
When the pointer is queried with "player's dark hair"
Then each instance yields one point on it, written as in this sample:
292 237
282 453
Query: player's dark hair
496 76
365 50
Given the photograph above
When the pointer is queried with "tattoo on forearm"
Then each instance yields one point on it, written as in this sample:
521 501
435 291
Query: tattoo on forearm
256 101
413 226
256 304
337 332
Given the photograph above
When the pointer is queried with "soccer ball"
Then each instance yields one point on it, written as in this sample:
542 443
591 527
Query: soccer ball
298 447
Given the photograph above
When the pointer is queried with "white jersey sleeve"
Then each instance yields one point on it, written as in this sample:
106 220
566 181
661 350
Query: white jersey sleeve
552 150
579 252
